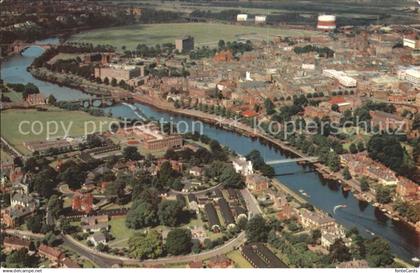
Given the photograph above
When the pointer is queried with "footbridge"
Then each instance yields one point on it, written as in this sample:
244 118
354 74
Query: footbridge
312 159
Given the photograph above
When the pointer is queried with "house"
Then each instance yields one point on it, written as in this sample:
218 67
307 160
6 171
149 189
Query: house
97 238
214 223
315 220
35 99
69 263
82 202
94 223
15 243
192 201
243 166
219 262
196 171
195 264
257 183
260 256
407 190
51 253
286 212
328 239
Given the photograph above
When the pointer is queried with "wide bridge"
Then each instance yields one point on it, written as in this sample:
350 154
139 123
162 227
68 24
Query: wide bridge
18 47
311 159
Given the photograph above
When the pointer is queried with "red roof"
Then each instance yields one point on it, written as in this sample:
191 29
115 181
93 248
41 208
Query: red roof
337 100
249 113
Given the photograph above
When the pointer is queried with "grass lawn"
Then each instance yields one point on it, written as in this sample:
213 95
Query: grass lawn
13 95
203 33
4 156
75 121
238 259
119 230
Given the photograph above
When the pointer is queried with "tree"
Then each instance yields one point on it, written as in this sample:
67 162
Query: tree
34 223
269 106
334 107
360 146
178 241
364 185
169 212
257 229
378 252
116 189
353 148
145 246
383 194
55 205
51 100
221 44
141 214
19 259
231 179
388 150
242 223
339 252
131 153
346 173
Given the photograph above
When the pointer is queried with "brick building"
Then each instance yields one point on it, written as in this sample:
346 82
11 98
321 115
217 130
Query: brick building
82 202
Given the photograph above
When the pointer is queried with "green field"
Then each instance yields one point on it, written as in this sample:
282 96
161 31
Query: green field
203 33
73 121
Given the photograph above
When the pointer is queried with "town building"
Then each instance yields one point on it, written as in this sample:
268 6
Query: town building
226 212
94 223
257 183
119 72
243 166
315 220
260 256
407 190
410 74
82 202
97 238
15 243
51 253
214 223
151 138
184 44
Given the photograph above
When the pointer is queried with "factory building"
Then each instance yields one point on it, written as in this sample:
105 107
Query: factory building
119 72
242 17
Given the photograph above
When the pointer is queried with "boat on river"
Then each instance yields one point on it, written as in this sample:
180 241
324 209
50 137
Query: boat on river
339 206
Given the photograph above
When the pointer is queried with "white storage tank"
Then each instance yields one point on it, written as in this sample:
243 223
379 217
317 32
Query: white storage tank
242 17
327 22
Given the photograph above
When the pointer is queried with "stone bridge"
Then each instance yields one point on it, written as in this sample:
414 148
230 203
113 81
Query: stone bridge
18 47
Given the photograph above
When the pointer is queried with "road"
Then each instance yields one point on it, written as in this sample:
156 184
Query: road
251 203
107 260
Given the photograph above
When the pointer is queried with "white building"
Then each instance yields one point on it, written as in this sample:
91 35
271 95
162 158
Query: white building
243 166
411 42
242 17
410 74
341 77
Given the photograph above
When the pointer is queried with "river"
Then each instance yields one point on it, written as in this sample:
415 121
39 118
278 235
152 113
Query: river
323 194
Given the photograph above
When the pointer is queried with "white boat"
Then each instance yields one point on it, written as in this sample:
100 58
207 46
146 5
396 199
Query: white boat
415 259
370 232
339 206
